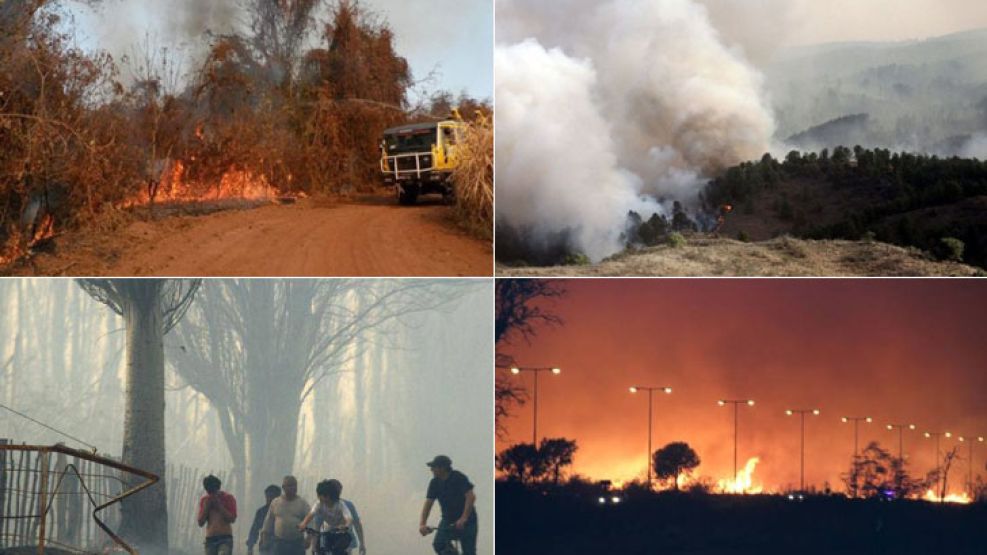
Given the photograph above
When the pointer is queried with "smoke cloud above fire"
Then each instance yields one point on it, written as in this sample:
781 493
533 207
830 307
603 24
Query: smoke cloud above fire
609 107
458 57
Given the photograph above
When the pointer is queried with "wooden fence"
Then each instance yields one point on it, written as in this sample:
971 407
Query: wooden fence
67 489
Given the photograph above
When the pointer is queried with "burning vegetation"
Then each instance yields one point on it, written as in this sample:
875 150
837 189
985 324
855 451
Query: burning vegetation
260 117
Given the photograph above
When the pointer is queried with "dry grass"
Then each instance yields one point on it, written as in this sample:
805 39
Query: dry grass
473 179
785 256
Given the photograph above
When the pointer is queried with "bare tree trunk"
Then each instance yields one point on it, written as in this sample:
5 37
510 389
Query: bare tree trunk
272 445
145 516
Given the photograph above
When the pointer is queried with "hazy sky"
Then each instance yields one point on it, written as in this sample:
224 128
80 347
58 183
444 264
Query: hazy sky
764 25
455 37
896 350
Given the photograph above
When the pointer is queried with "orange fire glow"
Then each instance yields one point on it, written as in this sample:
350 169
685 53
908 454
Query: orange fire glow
961 498
744 481
235 184
45 230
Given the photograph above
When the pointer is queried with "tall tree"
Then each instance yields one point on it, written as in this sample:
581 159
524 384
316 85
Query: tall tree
258 348
150 309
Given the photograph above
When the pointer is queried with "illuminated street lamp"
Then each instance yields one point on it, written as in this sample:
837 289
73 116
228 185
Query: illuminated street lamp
736 403
650 390
971 440
856 420
939 481
802 413
901 443
535 370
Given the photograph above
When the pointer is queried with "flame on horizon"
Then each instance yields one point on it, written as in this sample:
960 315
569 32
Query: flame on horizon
743 482
961 498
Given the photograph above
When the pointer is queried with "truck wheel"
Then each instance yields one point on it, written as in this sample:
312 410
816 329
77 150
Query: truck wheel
408 195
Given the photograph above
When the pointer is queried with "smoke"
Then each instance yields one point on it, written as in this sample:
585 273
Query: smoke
607 107
976 147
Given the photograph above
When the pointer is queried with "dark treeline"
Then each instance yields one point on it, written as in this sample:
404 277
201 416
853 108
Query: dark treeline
76 141
897 194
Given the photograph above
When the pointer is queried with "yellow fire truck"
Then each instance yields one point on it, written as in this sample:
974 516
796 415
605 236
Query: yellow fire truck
419 158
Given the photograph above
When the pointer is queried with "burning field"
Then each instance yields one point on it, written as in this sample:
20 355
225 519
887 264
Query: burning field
739 416
287 102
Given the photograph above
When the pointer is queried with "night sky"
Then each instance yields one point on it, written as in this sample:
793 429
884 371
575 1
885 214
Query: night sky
909 351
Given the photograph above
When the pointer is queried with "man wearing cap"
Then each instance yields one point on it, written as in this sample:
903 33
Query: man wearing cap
456 499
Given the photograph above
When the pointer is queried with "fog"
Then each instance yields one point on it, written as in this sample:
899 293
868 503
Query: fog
373 408
763 26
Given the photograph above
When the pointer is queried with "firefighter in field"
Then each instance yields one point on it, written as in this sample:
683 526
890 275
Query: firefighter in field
721 218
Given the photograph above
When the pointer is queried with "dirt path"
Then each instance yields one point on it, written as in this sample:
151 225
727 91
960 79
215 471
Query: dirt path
369 237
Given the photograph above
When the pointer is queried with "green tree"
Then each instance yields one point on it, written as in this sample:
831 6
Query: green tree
672 460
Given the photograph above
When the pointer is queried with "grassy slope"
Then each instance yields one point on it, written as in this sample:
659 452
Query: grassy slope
784 256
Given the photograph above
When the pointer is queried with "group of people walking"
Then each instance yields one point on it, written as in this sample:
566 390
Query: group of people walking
287 524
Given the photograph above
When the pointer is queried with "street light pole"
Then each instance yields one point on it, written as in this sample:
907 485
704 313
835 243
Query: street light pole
650 390
802 413
535 370
969 462
900 428
856 420
856 451
939 480
736 403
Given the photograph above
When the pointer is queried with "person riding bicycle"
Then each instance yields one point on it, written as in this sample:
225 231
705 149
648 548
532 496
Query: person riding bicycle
357 540
455 494
334 515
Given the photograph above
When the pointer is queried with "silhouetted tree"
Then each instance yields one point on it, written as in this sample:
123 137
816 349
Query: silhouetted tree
520 462
875 472
555 454
519 310
672 460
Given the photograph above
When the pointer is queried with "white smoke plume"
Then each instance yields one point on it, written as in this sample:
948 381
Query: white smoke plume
604 105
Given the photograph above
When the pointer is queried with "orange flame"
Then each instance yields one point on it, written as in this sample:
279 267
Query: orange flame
44 230
961 498
235 184
744 481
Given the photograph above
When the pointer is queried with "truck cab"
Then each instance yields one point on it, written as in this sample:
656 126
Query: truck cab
419 158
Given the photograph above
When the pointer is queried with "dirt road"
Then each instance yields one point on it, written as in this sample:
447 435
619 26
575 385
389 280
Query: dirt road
371 236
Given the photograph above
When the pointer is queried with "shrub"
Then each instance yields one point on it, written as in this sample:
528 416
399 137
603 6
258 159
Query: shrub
473 178
676 240
950 248
576 259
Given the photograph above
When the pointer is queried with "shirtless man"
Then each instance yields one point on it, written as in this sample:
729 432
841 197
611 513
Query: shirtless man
281 524
217 512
